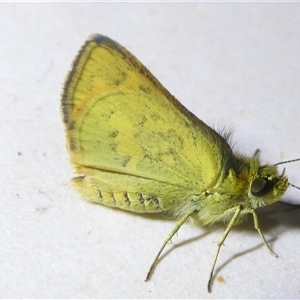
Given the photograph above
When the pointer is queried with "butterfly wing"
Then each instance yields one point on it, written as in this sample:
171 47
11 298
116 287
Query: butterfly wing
128 136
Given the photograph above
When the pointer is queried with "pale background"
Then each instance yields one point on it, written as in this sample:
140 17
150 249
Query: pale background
230 63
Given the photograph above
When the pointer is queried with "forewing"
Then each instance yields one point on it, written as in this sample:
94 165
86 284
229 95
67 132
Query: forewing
119 118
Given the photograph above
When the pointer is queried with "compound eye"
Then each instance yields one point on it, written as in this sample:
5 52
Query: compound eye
260 187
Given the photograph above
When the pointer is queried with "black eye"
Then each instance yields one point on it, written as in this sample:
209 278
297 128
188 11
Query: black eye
261 186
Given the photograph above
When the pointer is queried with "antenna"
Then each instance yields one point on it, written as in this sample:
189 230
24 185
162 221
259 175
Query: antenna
297 187
287 161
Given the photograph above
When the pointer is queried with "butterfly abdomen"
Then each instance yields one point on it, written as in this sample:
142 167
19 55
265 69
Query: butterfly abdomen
131 201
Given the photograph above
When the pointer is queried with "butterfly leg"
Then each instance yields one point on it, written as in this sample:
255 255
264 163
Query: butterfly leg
256 226
220 243
176 228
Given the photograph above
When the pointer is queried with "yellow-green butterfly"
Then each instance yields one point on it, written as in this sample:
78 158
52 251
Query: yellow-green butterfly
135 147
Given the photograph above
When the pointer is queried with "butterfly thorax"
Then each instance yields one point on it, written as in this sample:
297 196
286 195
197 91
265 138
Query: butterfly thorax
247 184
